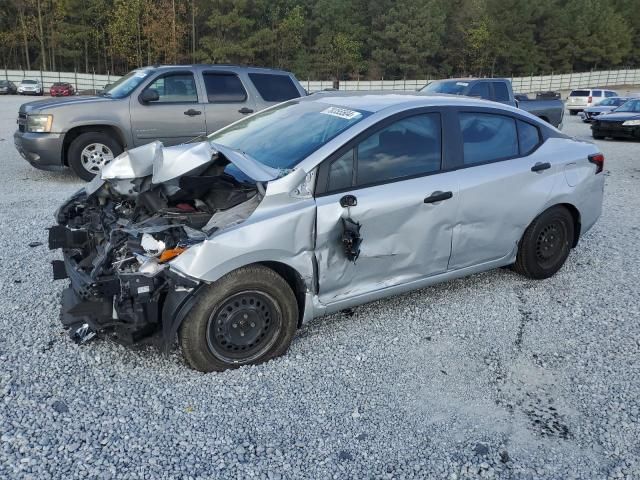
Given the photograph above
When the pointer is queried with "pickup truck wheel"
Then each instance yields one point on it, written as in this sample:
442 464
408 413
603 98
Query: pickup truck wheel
91 151
249 316
545 244
573 112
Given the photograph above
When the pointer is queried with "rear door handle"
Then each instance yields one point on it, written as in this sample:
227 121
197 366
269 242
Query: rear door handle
438 197
192 113
538 167
245 110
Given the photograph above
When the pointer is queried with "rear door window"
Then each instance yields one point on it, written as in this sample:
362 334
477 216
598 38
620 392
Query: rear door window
408 147
274 88
224 88
597 93
480 89
488 137
501 92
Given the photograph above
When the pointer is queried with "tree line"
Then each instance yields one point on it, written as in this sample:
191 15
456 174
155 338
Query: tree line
324 39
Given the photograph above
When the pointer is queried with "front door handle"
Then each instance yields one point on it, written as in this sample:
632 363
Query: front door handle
538 167
245 110
348 201
438 197
192 113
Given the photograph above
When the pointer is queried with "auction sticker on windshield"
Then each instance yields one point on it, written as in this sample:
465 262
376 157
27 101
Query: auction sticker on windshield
341 113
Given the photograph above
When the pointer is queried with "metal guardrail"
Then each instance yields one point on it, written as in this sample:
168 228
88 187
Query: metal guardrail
531 84
80 81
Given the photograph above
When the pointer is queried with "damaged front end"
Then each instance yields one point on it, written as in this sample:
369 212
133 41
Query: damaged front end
120 234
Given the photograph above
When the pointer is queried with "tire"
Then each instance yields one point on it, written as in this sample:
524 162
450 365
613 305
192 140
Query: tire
93 149
249 316
598 137
545 244
573 112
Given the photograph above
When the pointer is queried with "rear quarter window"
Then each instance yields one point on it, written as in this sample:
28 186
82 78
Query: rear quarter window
597 93
273 87
528 137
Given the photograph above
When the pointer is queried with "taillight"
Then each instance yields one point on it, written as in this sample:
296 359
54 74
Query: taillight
598 160
590 99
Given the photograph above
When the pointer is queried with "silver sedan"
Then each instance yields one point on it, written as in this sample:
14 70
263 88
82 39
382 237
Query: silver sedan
313 206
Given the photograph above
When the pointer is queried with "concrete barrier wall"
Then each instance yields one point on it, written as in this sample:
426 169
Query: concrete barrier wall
567 81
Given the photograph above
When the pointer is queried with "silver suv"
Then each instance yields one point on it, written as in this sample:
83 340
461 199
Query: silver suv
313 206
172 104
580 99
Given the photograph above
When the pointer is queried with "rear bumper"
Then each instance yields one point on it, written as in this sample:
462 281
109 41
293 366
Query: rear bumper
41 150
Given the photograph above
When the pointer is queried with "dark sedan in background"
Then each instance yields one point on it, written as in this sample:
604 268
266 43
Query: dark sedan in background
7 87
623 122
605 106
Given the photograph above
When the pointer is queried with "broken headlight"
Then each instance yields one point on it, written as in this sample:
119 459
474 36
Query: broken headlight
39 123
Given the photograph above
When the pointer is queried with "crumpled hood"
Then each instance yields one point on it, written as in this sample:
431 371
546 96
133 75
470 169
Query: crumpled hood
168 163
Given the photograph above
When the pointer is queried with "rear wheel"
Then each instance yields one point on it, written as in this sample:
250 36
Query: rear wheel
573 112
91 151
545 244
598 137
249 316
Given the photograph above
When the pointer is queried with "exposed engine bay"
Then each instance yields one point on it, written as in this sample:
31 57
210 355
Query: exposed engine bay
120 233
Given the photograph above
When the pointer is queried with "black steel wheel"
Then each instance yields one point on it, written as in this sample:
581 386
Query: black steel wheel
248 316
244 327
546 244
551 243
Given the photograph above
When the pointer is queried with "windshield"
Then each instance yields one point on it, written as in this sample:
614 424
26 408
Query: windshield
3 82
29 82
283 136
126 84
630 106
609 102
452 87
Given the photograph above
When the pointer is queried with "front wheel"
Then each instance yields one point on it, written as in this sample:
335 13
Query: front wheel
91 151
598 137
545 244
249 316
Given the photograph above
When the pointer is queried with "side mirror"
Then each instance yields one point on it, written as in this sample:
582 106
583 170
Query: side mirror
149 95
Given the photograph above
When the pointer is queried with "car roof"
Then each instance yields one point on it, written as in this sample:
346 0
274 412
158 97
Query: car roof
469 79
217 66
372 101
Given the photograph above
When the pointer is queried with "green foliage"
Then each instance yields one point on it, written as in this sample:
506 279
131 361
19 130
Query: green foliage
326 38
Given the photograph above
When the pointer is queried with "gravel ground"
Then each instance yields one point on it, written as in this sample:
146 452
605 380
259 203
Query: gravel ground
492 376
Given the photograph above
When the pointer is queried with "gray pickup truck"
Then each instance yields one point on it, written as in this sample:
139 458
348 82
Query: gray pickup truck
499 90
173 104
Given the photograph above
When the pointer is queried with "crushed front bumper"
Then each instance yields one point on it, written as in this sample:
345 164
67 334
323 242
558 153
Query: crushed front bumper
130 307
